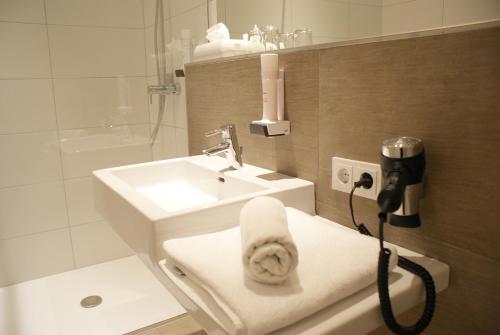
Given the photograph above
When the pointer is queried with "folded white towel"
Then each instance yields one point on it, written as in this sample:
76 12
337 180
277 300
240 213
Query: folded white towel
269 254
335 262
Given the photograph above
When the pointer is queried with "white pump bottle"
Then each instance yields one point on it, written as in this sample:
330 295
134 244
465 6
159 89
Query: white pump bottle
269 73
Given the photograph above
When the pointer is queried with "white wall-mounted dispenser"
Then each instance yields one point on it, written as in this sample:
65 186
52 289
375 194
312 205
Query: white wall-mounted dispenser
273 92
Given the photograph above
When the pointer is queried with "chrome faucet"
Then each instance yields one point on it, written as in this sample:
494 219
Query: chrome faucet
229 145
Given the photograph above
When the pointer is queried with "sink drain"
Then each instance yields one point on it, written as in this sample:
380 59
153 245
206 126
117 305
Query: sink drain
91 301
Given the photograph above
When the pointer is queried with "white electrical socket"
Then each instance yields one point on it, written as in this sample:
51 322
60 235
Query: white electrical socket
341 174
374 171
347 171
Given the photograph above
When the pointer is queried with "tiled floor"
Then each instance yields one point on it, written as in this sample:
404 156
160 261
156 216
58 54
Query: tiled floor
184 325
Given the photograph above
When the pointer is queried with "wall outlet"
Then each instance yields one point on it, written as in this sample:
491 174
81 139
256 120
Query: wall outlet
345 172
341 174
373 170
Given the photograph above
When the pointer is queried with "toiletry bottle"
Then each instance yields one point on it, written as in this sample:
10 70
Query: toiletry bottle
269 73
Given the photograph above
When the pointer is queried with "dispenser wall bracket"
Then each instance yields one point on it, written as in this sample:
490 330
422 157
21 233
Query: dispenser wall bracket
270 128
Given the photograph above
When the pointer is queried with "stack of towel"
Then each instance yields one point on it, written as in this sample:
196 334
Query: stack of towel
269 253
335 262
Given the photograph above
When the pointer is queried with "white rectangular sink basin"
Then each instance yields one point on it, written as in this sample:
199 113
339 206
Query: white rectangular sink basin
178 185
151 202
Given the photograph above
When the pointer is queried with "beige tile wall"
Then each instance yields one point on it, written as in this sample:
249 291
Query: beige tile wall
344 101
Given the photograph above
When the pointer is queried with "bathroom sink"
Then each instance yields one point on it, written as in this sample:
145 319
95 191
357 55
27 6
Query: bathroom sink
149 203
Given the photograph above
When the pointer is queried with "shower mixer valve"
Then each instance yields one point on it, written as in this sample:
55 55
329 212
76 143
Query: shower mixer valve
171 88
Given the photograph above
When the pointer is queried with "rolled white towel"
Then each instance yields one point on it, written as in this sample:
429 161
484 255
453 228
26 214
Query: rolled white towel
269 253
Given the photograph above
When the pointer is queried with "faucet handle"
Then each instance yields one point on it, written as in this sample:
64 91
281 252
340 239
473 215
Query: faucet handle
222 130
213 132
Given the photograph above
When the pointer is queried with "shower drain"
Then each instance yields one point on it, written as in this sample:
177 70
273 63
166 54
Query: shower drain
91 301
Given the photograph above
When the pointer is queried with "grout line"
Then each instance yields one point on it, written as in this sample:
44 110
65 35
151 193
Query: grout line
35 233
21 22
93 26
71 226
170 17
152 25
77 77
31 184
39 131
442 14
71 25
398 3
58 136
46 131
148 105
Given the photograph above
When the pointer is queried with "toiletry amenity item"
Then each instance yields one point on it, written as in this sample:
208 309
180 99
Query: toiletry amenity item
335 263
255 40
220 48
269 74
303 37
281 95
271 37
269 254
220 45
287 40
273 121
217 32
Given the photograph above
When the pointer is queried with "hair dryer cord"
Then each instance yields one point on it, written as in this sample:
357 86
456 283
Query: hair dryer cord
383 281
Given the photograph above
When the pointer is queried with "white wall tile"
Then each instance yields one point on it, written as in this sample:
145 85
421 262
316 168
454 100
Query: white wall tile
194 20
85 150
165 144
150 51
150 11
392 2
29 158
24 51
325 18
368 2
412 16
32 209
31 11
365 20
180 109
469 11
96 243
181 140
180 6
26 105
80 199
96 52
241 15
113 13
35 256
94 102
322 40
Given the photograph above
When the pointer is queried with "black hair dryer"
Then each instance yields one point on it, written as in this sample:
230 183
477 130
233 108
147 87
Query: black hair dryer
403 166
